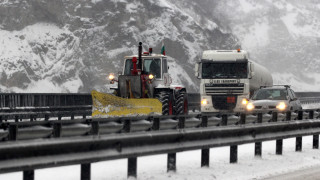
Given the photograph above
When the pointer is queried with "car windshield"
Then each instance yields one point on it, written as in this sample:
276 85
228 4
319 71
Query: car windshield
271 94
224 70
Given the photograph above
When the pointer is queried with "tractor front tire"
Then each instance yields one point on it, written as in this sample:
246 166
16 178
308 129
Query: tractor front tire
166 100
181 103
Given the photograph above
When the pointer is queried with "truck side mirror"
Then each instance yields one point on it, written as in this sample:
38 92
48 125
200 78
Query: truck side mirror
196 70
252 73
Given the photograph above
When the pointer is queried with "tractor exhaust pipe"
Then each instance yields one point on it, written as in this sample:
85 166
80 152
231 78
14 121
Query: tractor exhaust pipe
139 56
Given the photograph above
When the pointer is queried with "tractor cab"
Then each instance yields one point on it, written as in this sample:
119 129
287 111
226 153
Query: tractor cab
154 64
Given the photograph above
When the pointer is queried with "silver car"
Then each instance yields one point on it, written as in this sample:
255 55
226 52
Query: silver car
275 98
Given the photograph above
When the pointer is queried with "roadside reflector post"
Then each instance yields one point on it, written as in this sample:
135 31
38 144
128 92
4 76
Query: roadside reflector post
28 175
258 145
279 143
171 163
132 167
85 171
299 143
234 154
205 152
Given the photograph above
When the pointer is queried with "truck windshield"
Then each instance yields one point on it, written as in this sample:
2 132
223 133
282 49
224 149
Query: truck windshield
224 70
271 94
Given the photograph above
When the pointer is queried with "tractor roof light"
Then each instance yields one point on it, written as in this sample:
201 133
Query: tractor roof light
250 106
281 106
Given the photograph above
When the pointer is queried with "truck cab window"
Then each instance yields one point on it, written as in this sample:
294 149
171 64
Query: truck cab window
152 66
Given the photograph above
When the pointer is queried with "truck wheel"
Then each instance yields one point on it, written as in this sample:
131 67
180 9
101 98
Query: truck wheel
181 102
166 100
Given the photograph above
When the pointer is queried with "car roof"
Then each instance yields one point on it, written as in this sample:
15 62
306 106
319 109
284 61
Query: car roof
275 87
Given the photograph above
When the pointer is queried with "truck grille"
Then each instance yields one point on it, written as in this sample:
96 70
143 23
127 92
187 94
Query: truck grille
215 89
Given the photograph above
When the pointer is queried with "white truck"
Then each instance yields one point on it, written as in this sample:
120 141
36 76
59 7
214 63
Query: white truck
228 79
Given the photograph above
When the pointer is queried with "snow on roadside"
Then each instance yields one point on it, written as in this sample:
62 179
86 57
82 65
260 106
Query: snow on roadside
188 165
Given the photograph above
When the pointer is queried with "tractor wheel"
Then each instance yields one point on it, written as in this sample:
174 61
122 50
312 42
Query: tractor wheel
166 100
181 103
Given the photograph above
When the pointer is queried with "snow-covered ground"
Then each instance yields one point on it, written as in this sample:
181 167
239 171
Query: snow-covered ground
188 165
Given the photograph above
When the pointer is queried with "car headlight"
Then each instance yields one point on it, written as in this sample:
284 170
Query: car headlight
281 106
250 106
204 102
244 101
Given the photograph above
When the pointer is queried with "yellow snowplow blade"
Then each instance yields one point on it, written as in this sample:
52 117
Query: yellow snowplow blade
108 105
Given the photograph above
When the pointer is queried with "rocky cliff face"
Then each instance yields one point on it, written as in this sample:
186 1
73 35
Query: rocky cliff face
72 45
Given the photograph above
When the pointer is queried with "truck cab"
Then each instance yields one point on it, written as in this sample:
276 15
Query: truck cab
227 79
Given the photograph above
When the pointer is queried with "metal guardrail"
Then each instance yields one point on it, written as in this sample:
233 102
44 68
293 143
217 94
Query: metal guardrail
29 155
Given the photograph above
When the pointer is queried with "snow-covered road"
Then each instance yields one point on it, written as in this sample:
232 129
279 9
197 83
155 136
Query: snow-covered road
188 165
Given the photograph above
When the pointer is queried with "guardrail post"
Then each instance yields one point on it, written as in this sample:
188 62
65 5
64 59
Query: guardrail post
16 118
95 127
242 119
182 122
205 157
46 117
57 129
156 123
127 125
279 143
300 115
316 141
132 167
171 164
13 131
274 116
233 154
258 145
311 113
204 121
298 143
28 175
72 115
205 152
85 171
288 115
224 120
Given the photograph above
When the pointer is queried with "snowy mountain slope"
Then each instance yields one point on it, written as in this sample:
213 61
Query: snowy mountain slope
282 35
72 45
81 42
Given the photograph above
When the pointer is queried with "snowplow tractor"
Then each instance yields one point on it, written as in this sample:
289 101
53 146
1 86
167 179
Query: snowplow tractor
144 88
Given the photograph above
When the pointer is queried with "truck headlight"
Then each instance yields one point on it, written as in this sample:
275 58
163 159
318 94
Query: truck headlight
250 106
244 101
204 102
281 106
